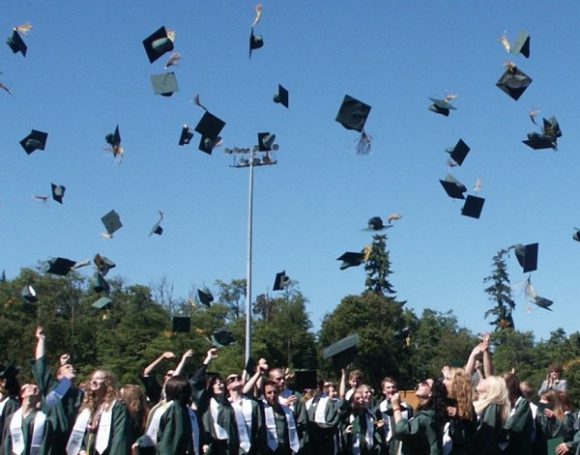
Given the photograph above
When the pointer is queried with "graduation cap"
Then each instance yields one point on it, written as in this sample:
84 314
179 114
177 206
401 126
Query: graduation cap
103 303
256 42
351 259
114 140
442 107
514 82
186 135
157 229
99 284
222 338
164 84
453 187
527 256
459 152
376 224
539 141
16 43
60 266
473 206
36 140
250 366
29 294
159 43
103 264
576 235
551 128
205 297
112 222
353 114
210 126
9 372
280 281
266 142
521 45
57 192
181 324
543 302
282 96
305 379
343 351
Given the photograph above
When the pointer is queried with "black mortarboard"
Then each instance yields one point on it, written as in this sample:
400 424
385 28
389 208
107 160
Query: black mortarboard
114 139
441 107
539 141
543 302
351 259
343 351
521 45
353 114
473 206
210 126
222 338
10 371
158 44
103 264
157 229
280 281
459 152
376 224
256 42
514 82
99 284
186 135
205 297
164 84
282 96
16 43
60 266
250 366
57 192
576 235
453 187
181 324
551 128
29 294
207 145
305 379
103 303
266 142
112 222
36 140
527 256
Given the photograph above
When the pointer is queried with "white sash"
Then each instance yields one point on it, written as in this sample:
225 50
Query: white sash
17 437
320 412
150 437
220 432
271 428
104 431
369 435
241 408
447 441
75 441
194 429
2 404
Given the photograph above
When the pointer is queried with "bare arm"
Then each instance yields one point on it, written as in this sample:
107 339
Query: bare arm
187 355
149 368
40 343
342 385
488 369
256 378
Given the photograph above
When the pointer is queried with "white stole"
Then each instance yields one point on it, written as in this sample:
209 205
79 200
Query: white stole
150 438
320 411
2 404
220 432
104 431
271 428
369 435
17 438
447 441
75 440
243 410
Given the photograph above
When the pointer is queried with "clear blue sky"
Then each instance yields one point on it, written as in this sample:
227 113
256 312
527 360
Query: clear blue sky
86 71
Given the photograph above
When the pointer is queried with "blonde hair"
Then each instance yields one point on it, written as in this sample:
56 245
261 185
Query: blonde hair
92 400
497 394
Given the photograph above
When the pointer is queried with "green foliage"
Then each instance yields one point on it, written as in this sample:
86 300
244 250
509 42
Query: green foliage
378 267
500 293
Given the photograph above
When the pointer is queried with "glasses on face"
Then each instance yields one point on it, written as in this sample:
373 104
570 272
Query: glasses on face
231 379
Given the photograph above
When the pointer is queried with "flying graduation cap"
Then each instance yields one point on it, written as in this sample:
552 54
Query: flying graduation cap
205 297
343 351
532 296
103 264
222 338
112 222
576 235
548 138
520 46
186 135
209 126
527 256
114 141
16 43
353 114
181 324
442 106
164 84
60 266
157 229
513 81
58 192
99 284
453 187
473 206
29 294
266 142
103 303
281 281
36 140
459 152
351 259
282 97
158 43
256 41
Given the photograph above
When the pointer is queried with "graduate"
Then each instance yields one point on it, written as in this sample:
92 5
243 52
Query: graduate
62 399
325 414
103 425
520 422
153 389
9 390
28 431
384 412
361 437
281 435
459 432
493 409
174 427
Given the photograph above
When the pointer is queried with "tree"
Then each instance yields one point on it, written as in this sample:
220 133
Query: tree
500 292
378 267
233 295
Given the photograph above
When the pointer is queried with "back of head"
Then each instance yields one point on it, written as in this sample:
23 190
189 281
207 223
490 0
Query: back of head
513 386
179 389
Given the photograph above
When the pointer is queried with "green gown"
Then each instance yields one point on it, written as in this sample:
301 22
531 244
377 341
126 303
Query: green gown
120 436
10 407
519 427
419 434
27 433
322 437
490 432
174 436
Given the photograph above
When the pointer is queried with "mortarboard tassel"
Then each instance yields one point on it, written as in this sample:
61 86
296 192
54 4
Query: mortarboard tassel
259 8
363 146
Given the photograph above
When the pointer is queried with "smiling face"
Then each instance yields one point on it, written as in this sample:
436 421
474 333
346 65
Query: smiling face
271 394
389 389
97 383
234 382
218 387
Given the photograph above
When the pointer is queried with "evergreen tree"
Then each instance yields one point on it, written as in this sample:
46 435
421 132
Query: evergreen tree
500 292
378 267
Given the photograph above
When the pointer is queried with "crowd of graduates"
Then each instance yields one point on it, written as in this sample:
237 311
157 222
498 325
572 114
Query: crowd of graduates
469 410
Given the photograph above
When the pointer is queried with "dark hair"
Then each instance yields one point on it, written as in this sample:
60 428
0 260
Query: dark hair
512 383
270 383
179 389
556 367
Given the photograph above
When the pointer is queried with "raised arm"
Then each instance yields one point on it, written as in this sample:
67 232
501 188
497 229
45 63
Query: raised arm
342 384
488 369
153 365
470 365
40 343
256 378
187 355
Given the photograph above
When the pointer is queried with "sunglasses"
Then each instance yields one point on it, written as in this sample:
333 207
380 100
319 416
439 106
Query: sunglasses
231 379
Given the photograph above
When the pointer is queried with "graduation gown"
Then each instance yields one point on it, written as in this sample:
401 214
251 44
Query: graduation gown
174 436
462 434
8 406
63 412
384 412
519 427
27 433
363 432
282 433
419 434
300 415
324 436
490 432
256 425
